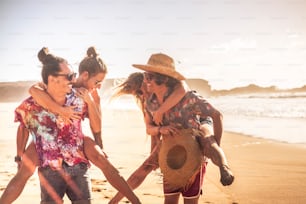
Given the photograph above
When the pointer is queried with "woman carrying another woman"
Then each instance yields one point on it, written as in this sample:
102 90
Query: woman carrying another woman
136 85
92 72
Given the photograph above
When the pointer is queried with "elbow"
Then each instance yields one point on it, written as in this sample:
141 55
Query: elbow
220 115
217 116
147 131
31 89
36 89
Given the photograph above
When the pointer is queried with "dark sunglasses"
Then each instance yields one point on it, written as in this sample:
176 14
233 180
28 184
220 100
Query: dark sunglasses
139 92
69 76
149 76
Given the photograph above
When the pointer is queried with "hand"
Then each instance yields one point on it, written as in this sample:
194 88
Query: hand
18 164
157 117
84 94
68 114
168 130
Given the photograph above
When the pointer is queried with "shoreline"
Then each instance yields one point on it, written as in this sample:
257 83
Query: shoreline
266 171
288 130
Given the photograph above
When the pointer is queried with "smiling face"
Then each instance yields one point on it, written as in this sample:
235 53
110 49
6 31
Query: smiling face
149 81
63 80
94 82
90 82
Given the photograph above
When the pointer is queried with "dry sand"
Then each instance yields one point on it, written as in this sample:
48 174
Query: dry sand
266 171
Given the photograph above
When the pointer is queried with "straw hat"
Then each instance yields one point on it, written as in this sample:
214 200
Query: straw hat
179 158
162 64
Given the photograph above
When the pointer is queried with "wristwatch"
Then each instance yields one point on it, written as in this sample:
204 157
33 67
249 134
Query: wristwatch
17 159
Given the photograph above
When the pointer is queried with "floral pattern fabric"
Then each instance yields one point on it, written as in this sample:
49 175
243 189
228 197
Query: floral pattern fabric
188 113
55 140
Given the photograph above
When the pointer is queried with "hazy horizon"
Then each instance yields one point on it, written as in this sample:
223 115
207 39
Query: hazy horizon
195 85
228 43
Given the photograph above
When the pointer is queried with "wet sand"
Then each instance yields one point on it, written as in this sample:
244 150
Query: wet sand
266 171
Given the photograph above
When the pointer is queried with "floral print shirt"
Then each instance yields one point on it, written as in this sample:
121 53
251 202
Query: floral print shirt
188 113
55 140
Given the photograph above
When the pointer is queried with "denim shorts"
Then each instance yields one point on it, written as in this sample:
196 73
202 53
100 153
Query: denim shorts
72 180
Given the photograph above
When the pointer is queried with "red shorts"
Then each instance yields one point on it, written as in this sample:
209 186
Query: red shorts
194 190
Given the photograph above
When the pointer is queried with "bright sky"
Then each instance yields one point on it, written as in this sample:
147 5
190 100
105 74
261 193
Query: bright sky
229 43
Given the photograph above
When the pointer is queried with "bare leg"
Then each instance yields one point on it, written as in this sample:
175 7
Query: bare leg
135 179
213 151
172 199
216 154
98 158
139 175
26 170
191 201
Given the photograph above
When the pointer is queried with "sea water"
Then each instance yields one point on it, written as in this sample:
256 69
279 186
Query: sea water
280 117
277 116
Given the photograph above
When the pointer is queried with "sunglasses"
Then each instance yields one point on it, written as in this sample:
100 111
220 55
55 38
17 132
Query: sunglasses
139 92
149 76
69 76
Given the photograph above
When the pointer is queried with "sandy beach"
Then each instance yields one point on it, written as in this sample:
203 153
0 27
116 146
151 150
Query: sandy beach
266 171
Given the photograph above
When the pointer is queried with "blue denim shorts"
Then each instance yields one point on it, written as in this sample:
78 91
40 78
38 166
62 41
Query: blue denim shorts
71 180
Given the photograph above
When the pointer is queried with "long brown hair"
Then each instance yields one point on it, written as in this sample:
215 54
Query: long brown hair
133 86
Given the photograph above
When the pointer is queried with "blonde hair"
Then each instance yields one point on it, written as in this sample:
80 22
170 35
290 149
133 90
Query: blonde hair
132 85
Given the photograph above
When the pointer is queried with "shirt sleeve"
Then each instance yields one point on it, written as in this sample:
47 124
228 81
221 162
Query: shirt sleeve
200 106
21 113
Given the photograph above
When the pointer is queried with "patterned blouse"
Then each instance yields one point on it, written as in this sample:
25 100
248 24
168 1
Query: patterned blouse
55 140
188 113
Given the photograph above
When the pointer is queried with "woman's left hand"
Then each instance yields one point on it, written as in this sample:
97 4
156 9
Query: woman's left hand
168 130
157 117
84 94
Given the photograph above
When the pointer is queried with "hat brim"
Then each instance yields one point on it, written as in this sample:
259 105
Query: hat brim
160 70
180 177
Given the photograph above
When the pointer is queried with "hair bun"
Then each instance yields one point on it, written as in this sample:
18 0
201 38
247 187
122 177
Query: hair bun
42 54
45 57
91 52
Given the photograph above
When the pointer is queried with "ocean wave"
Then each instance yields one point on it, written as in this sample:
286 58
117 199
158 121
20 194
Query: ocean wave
284 95
265 106
260 106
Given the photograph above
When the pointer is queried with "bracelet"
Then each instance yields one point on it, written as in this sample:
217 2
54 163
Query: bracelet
17 159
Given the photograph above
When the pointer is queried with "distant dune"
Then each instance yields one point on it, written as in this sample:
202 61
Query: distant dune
14 91
252 88
17 91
